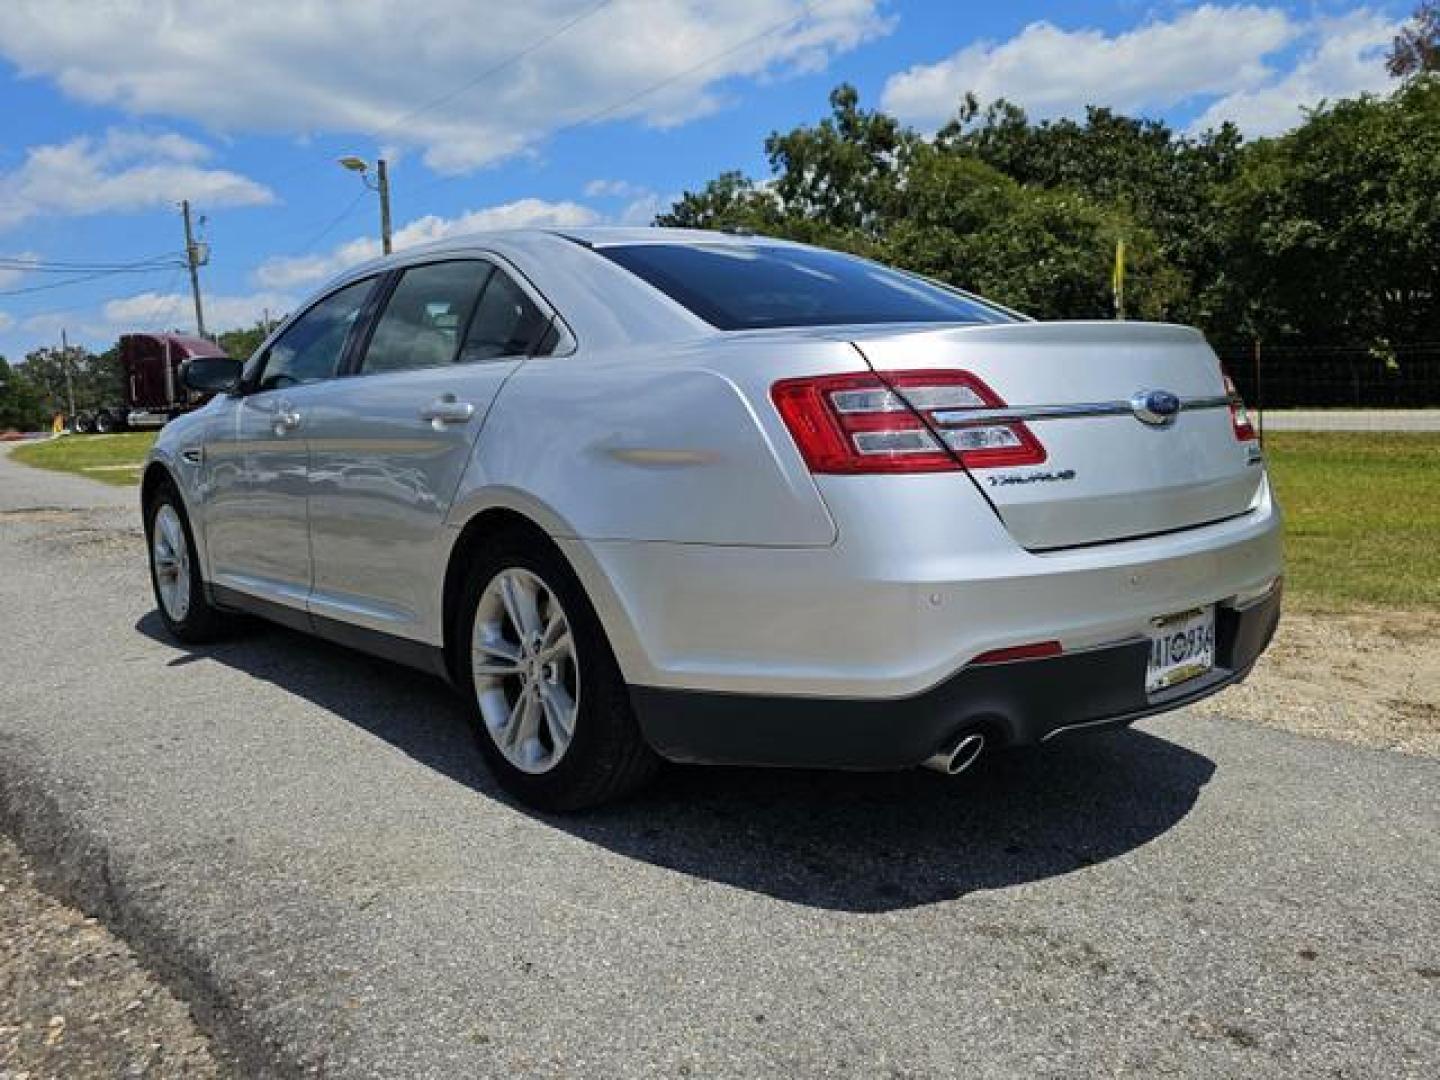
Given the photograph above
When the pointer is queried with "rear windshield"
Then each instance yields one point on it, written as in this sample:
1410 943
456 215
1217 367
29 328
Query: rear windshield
747 287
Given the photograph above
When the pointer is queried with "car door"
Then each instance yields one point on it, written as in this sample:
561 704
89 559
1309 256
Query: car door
257 522
390 443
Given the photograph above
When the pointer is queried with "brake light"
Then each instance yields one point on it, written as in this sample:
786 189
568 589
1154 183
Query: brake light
905 422
1239 415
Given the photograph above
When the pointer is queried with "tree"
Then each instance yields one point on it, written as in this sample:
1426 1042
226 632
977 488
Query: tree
20 407
1165 183
1333 228
97 379
1416 49
241 343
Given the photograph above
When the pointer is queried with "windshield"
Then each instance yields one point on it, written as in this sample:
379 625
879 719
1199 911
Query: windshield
747 287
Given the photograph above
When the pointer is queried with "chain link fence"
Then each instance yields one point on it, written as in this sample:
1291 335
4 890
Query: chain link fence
1338 388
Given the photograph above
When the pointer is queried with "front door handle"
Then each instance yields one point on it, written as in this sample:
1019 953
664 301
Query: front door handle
286 418
447 410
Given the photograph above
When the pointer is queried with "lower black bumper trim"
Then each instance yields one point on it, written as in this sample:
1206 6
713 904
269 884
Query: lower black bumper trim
1020 703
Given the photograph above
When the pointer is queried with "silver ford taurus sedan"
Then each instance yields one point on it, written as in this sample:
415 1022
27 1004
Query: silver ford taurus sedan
646 494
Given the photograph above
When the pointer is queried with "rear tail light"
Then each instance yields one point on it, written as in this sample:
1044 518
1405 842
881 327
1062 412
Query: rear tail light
1239 415
906 422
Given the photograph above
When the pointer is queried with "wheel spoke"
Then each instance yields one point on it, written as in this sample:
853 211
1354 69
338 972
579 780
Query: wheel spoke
504 657
520 601
557 649
559 713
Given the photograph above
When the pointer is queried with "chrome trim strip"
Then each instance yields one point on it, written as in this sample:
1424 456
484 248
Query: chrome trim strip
960 417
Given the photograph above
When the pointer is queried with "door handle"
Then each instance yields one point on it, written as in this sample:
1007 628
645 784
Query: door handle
286 418
447 410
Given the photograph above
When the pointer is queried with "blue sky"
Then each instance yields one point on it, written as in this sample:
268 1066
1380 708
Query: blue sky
552 112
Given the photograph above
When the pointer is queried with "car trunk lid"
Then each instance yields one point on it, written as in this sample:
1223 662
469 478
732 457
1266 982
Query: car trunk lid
1095 395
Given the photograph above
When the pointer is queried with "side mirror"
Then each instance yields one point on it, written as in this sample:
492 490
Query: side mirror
211 374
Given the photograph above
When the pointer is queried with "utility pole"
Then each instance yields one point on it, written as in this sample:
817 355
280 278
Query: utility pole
65 363
380 184
382 175
193 261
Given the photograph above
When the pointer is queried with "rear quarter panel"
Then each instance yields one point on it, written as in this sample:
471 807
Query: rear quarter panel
675 444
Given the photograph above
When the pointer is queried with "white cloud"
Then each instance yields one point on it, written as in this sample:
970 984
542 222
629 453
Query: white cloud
1050 71
1344 58
614 189
158 311
6 320
286 272
421 76
123 170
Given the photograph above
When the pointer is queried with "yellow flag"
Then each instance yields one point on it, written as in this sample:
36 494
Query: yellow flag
1117 280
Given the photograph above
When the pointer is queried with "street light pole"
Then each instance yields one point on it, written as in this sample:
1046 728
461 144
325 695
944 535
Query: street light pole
381 185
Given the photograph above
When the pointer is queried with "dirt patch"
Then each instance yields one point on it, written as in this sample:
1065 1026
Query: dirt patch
43 514
74 1001
1370 678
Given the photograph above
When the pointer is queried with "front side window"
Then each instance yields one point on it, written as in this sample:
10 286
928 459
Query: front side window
760 286
426 316
312 347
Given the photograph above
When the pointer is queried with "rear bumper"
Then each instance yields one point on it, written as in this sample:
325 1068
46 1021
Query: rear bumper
1019 703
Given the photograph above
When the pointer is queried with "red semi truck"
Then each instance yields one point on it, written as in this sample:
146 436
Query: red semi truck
154 392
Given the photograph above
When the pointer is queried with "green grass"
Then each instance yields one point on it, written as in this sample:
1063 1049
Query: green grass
1362 510
1362 517
99 457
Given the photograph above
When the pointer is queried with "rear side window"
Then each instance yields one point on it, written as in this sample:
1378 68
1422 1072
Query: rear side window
311 347
753 286
426 316
507 323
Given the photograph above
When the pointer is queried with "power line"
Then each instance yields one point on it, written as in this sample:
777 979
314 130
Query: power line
509 61
81 279
599 114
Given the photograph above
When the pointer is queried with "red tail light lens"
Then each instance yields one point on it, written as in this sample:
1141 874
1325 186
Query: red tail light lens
1239 415
905 422
1020 652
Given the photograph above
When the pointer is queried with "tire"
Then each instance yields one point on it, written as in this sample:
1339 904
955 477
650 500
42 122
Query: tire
84 424
605 757
105 423
175 571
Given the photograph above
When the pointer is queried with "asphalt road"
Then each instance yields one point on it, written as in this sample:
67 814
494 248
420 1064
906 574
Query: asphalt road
1352 419
301 840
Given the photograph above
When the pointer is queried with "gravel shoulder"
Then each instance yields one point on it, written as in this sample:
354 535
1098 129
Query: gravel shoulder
301 843
75 1002
1371 678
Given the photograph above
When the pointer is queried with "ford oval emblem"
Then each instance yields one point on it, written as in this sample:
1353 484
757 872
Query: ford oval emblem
1158 408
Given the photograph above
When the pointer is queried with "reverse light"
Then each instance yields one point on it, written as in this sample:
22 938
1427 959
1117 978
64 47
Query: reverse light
863 423
1239 415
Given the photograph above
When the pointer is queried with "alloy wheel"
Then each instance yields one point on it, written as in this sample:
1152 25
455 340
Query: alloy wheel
526 673
171 557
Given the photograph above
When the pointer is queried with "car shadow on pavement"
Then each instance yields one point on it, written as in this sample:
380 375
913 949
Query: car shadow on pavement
858 842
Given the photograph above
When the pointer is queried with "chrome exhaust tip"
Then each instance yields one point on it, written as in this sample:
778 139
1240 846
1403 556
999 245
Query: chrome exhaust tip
956 759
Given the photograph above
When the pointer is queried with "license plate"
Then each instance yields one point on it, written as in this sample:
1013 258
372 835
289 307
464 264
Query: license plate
1181 647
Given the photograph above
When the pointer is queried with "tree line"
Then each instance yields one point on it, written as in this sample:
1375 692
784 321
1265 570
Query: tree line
1328 234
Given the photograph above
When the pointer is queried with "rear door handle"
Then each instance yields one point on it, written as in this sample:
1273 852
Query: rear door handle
447 410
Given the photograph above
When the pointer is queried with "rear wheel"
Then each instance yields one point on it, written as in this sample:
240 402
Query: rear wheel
84 424
175 571
552 713
105 422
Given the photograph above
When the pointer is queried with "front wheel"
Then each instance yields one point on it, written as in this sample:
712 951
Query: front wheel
552 712
175 571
